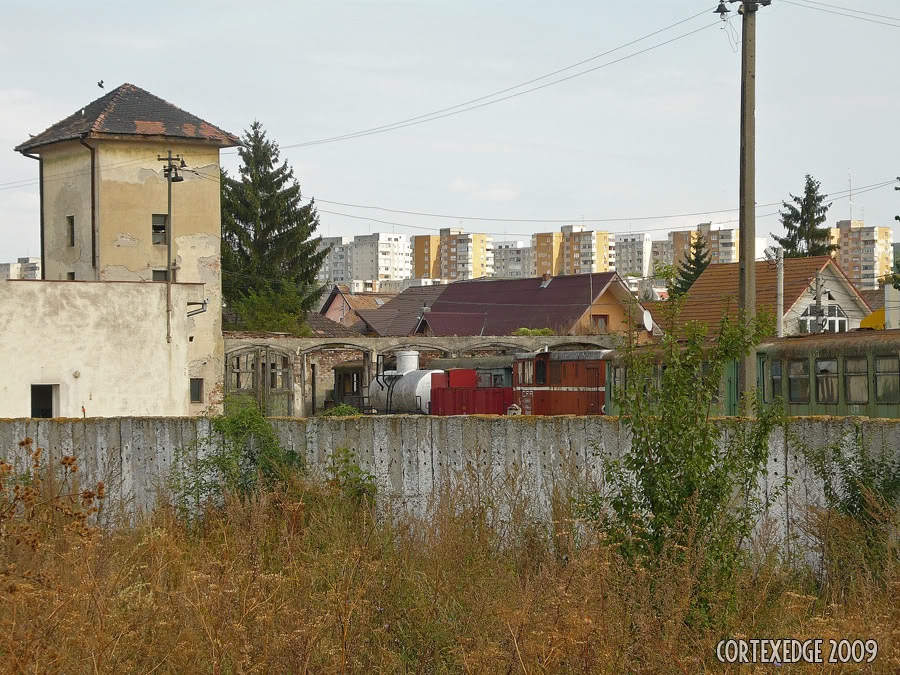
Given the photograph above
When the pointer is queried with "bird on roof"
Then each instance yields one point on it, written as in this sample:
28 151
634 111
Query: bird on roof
100 84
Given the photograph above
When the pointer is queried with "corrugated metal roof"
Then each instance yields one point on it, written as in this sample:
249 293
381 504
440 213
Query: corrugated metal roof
486 362
855 341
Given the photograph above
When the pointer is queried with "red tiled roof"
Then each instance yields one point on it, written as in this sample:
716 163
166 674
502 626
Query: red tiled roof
717 290
454 323
874 298
130 111
400 315
510 304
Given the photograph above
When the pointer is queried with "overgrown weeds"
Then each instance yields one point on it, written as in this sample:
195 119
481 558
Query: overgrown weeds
306 577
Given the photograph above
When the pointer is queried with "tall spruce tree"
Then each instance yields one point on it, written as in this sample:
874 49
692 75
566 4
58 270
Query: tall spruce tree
802 218
268 245
691 268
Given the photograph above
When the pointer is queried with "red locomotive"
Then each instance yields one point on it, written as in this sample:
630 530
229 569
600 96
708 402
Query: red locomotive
560 383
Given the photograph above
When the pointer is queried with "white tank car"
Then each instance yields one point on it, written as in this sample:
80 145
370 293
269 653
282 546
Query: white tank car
406 389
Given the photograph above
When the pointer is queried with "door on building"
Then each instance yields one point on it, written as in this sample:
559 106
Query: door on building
263 373
594 395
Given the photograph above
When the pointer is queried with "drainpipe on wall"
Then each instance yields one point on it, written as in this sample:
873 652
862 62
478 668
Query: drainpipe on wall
93 200
41 197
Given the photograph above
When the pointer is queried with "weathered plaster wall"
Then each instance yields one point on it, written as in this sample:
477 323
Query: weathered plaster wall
411 455
112 334
132 189
67 192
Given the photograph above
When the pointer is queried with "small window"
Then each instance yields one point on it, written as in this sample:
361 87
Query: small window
529 372
44 398
798 381
70 230
540 371
775 368
856 380
600 323
826 381
70 276
887 379
196 390
160 275
159 227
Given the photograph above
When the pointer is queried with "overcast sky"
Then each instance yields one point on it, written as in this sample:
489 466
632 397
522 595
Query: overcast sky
656 134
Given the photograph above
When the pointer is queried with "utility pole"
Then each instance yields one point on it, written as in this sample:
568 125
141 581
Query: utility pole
747 216
171 173
779 290
818 324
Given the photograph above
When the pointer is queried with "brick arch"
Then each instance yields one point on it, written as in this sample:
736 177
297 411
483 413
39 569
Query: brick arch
337 344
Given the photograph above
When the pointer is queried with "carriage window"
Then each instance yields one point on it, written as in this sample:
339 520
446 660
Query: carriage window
798 381
775 367
520 372
529 372
887 379
856 380
826 381
555 372
540 371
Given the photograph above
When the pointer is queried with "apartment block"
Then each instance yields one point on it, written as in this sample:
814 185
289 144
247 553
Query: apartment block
573 250
382 255
662 252
426 256
724 245
511 261
338 264
634 254
23 268
866 253
465 255
681 242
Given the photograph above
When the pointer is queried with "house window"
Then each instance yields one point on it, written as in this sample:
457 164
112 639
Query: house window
540 372
70 276
856 380
159 227
44 400
600 322
826 381
887 379
196 390
798 381
160 275
70 230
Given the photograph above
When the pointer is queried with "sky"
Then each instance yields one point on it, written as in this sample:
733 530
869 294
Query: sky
656 134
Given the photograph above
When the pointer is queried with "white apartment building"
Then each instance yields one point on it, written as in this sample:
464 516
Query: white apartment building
510 260
634 255
23 268
338 264
382 255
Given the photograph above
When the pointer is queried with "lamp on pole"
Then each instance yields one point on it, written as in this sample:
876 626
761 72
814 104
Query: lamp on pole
747 223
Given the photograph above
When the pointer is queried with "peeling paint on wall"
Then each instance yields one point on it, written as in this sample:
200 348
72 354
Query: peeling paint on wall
125 239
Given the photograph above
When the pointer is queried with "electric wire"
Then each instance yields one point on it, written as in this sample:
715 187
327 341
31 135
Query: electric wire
849 16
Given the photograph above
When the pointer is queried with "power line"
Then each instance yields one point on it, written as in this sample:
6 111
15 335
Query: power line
849 16
848 9
468 105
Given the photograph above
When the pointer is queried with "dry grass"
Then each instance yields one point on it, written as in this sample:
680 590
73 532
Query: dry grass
309 579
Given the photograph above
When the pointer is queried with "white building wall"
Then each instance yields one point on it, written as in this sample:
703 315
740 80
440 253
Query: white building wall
509 262
634 255
103 344
381 255
338 264
23 268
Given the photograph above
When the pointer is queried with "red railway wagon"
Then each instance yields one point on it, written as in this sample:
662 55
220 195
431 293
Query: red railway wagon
561 383
455 392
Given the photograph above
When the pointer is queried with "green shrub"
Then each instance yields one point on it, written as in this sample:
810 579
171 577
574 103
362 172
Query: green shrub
533 332
340 410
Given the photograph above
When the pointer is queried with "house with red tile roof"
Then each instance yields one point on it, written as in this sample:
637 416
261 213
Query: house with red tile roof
342 305
715 293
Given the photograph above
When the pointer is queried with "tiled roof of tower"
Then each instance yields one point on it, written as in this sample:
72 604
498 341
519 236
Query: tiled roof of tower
130 111
717 289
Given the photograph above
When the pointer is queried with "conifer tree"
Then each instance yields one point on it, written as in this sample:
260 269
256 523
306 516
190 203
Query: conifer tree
691 268
267 232
802 218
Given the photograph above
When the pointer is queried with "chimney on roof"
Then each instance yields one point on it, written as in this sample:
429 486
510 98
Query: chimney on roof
425 308
546 279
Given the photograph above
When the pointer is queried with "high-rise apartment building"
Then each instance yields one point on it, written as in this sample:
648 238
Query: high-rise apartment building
465 255
680 243
426 256
511 260
382 255
866 253
634 255
661 253
23 268
724 244
338 264
573 250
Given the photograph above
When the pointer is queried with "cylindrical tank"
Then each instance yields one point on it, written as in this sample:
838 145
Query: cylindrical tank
409 393
407 362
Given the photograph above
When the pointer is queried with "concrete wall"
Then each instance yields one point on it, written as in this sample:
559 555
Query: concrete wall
103 344
411 455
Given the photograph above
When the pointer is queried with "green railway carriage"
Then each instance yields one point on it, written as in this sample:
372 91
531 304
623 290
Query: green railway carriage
853 373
